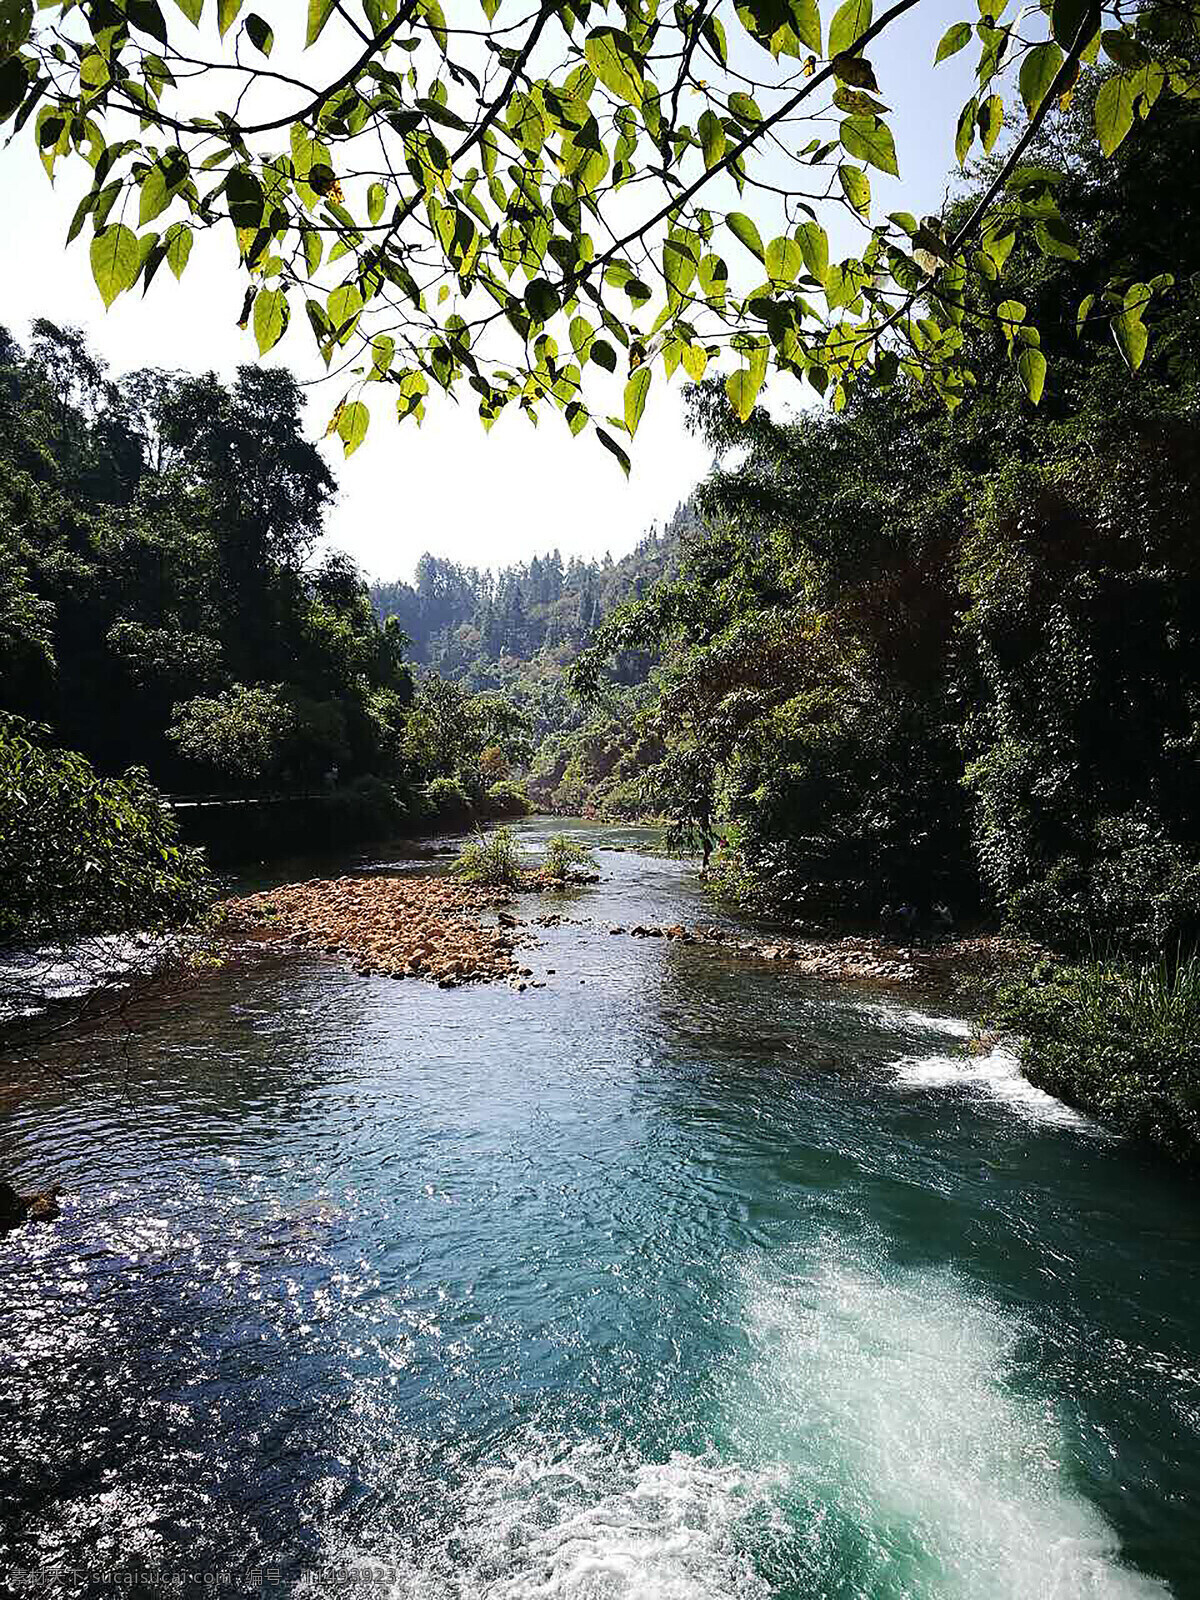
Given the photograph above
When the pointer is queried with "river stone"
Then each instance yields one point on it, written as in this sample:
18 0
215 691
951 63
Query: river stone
16 1208
12 1207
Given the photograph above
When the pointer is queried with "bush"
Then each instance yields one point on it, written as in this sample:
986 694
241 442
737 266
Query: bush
82 855
565 858
448 800
1119 1039
508 798
493 860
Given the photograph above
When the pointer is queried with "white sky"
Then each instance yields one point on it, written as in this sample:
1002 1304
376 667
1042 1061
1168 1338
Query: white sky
483 499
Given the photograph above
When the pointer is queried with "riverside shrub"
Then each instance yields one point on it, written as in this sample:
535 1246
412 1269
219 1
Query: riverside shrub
1117 1038
564 857
493 860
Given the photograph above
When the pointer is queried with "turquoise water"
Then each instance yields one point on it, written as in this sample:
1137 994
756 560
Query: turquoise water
681 1277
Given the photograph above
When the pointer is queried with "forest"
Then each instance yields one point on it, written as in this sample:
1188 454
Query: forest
164 608
514 631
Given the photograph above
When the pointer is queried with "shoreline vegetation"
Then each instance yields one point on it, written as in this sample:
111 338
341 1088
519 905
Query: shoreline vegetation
884 654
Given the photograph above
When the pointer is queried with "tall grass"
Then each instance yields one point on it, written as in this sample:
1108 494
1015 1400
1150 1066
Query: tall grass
1117 1038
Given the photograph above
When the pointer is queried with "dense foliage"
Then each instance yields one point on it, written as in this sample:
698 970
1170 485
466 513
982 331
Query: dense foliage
162 600
524 201
163 604
1118 1039
919 658
83 855
160 605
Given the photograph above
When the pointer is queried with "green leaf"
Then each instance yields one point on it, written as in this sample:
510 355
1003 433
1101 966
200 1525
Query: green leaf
353 420
541 299
784 259
1038 71
610 54
855 71
1010 314
609 443
814 242
245 196
227 11
714 31
635 398
383 353
856 186
1114 111
1068 16
154 198
712 138
1085 306
1130 333
742 389
344 304
191 9
270 318
603 354
1031 364
177 242
965 136
869 139
745 108
116 259
319 12
695 360
259 33
744 230
376 199
679 267
953 40
850 21
991 120
806 21
582 335
93 71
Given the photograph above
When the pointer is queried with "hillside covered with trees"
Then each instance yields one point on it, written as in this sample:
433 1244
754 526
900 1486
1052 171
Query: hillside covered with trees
514 631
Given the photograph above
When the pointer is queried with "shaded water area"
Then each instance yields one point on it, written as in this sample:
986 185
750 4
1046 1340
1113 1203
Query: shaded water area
680 1277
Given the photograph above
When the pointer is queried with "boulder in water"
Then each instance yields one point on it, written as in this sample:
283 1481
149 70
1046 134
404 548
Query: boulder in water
16 1209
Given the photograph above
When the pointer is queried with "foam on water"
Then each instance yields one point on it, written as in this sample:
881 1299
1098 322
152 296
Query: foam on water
996 1074
954 1027
878 1439
587 1523
913 1459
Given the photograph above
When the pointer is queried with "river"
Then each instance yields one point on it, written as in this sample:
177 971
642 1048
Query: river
681 1278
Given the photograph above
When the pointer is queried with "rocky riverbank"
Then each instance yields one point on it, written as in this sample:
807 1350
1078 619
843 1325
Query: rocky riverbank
400 927
853 957
452 933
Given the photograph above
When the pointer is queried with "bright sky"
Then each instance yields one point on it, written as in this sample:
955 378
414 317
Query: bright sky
483 499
